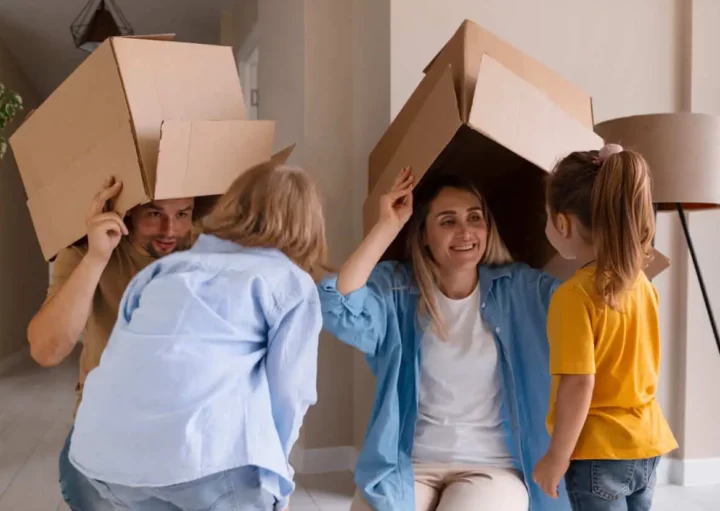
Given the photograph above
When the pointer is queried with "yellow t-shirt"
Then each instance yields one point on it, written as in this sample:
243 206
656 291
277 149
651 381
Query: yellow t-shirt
622 349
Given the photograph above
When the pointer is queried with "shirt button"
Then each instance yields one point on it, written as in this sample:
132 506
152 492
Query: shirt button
497 330
482 305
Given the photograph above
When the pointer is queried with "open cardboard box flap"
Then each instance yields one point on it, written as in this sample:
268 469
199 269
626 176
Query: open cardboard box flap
514 135
106 119
464 53
199 158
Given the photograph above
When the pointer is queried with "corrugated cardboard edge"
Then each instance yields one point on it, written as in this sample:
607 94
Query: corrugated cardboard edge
150 37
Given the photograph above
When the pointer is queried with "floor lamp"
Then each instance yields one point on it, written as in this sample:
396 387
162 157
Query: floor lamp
683 150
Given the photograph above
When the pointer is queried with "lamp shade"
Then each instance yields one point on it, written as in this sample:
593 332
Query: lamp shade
683 150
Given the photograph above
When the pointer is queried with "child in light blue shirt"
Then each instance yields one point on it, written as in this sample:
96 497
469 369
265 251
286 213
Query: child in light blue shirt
211 366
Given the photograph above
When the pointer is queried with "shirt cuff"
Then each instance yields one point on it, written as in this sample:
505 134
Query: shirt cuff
353 301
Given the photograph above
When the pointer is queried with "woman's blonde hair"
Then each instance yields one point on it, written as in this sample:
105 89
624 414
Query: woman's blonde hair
609 192
274 206
417 251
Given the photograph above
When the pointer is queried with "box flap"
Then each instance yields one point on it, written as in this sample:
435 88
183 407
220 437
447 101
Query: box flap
78 137
167 81
283 155
430 128
464 52
387 146
520 117
199 158
59 210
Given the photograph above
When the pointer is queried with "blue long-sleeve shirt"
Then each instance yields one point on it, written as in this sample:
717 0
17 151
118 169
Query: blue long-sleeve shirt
380 320
211 366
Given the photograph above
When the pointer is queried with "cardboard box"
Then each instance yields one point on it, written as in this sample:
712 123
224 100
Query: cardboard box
488 112
165 118
463 53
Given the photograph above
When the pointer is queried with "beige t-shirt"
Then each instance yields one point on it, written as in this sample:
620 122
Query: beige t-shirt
124 264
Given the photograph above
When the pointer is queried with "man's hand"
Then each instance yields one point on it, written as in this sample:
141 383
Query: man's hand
104 228
549 472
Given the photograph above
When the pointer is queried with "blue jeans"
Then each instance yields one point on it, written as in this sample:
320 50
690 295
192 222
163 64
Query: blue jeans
610 485
77 490
233 490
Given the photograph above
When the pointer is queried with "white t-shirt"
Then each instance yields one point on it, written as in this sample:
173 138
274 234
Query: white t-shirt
459 415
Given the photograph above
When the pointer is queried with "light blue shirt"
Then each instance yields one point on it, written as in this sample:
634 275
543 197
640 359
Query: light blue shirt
211 366
380 320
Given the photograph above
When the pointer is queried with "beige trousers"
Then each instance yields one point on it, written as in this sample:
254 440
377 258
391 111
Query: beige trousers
463 488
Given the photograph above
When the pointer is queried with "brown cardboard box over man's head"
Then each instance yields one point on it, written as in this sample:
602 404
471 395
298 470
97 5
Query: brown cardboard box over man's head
489 112
165 118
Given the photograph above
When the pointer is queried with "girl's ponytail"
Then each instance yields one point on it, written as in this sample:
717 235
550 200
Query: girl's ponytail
623 222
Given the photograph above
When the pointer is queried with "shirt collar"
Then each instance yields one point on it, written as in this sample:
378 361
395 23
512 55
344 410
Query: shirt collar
209 244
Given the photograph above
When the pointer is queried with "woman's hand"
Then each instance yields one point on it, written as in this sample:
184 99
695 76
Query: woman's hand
396 205
395 211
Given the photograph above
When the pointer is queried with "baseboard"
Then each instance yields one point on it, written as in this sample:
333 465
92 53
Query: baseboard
6 363
697 472
324 460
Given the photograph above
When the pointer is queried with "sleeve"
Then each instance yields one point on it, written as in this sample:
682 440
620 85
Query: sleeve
292 365
570 332
359 318
64 265
539 287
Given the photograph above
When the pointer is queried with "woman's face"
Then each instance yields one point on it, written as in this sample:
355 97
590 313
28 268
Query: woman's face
456 229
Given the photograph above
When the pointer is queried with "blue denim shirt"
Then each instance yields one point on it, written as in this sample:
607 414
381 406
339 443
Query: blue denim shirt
211 366
380 320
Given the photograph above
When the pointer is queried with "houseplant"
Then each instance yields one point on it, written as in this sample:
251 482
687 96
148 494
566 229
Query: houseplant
10 105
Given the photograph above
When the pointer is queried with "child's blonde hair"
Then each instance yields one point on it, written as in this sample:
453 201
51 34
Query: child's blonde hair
609 192
274 206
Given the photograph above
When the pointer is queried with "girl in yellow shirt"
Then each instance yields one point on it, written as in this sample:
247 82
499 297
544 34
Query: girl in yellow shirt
608 431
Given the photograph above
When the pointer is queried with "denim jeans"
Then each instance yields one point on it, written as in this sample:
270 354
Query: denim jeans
611 485
233 490
77 490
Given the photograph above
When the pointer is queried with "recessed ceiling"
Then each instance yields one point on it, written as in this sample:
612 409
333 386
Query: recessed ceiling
37 32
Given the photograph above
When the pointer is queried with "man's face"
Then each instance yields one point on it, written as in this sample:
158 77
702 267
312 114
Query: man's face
161 227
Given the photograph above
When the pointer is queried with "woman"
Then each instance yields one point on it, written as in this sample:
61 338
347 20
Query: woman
456 340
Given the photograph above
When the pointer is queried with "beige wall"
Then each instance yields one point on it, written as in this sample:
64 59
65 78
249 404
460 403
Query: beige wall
23 272
305 80
371 116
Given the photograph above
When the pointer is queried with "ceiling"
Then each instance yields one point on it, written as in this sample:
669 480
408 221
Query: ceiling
37 32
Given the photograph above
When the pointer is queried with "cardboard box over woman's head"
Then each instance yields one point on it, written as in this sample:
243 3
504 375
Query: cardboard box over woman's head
486 111
502 120
165 118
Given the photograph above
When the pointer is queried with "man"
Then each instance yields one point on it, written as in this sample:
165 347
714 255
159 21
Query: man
88 281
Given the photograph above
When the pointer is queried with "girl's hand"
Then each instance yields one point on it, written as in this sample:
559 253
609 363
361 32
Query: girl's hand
549 472
396 205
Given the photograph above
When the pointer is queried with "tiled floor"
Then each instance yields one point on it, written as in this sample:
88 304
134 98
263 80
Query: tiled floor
35 415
